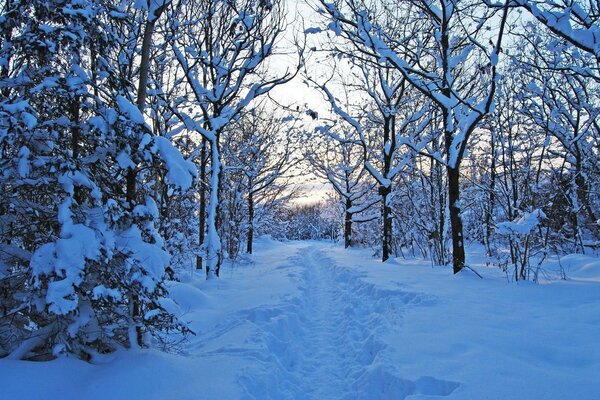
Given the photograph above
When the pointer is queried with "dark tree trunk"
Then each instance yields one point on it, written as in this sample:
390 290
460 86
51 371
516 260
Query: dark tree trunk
583 191
145 65
219 215
492 199
136 307
386 214
145 57
250 221
137 315
75 139
452 171
453 174
385 190
4 68
438 203
131 187
347 206
456 225
348 225
141 104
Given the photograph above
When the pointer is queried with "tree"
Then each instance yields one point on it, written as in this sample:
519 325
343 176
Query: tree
335 156
392 114
575 21
437 60
77 277
563 105
220 48
263 147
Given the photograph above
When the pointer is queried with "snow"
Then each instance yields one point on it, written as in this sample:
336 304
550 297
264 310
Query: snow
247 19
180 172
129 110
65 261
124 160
77 243
102 291
577 266
29 119
24 167
335 27
522 225
310 320
141 210
152 259
312 30
16 107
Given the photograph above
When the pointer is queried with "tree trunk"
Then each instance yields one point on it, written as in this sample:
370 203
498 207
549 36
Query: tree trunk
456 225
145 65
348 225
132 172
453 174
582 189
385 190
4 68
438 208
492 199
75 139
250 221
145 58
142 93
386 214
219 213
213 241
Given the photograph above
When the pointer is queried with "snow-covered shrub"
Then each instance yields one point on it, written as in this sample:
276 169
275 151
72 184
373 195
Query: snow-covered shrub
85 264
526 243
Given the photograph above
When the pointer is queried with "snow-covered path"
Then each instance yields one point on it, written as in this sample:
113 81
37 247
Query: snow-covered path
326 352
334 353
318 359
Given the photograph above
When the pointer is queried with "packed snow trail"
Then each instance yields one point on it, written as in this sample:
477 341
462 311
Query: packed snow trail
326 362
326 343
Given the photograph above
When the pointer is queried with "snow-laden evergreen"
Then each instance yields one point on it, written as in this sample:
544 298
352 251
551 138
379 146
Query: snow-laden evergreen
84 262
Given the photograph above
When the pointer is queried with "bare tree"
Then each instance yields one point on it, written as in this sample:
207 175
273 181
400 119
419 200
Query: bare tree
563 104
263 146
575 21
337 156
438 60
221 48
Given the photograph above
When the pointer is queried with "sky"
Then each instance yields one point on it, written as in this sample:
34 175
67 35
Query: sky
296 94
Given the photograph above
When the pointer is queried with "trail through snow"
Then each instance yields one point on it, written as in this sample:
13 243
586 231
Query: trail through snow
323 359
328 338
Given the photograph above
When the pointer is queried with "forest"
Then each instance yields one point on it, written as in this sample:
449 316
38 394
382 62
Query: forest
146 140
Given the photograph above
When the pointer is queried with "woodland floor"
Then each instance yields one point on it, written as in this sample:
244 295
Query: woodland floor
310 320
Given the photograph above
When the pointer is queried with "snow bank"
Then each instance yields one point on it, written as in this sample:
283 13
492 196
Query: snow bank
579 267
